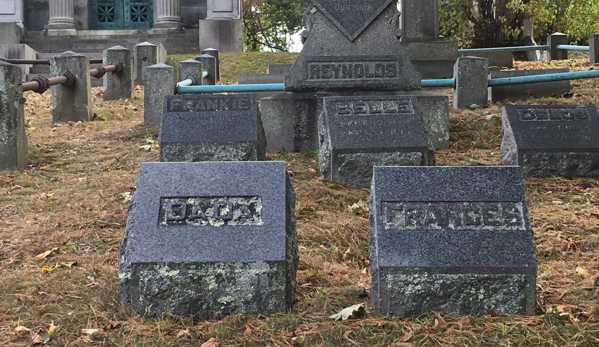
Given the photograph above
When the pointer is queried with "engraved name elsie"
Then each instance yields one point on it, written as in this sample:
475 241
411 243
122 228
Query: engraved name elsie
372 107
558 114
351 70
213 211
209 105
428 216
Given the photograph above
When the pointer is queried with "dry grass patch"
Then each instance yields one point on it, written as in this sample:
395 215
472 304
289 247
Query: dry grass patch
66 213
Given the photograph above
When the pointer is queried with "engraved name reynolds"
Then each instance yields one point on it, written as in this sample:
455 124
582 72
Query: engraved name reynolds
318 71
428 216
213 211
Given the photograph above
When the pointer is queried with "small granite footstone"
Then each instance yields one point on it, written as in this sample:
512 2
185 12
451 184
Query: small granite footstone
551 140
211 128
210 239
451 239
357 133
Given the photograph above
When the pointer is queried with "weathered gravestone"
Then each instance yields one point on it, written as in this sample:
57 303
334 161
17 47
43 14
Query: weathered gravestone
353 48
211 128
210 239
357 133
551 140
451 239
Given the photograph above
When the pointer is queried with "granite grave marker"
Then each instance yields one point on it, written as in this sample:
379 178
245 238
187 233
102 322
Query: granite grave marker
211 128
451 239
357 133
210 239
551 140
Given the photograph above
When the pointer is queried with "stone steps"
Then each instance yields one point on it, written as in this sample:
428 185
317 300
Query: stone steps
96 41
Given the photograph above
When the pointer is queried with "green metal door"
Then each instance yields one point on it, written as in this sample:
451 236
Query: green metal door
120 14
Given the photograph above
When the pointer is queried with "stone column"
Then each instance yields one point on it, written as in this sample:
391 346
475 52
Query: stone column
168 14
13 141
420 20
191 68
71 103
471 82
594 49
557 39
159 80
209 63
62 18
118 84
144 54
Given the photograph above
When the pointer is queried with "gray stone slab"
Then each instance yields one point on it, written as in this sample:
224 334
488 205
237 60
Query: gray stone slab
420 20
551 140
451 239
260 78
211 128
357 133
499 59
525 91
432 59
118 84
353 45
210 239
471 82
159 81
278 69
290 119
144 54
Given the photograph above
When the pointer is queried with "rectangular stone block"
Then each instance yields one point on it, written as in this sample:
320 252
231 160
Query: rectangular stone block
451 239
357 133
278 69
432 59
211 128
499 59
210 239
18 51
525 91
551 140
224 35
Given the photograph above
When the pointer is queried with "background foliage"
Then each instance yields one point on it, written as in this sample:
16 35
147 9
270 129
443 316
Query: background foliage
268 24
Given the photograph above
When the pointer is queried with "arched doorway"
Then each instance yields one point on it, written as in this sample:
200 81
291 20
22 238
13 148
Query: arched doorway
120 14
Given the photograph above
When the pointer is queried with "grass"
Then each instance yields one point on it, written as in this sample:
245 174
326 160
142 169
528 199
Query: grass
72 201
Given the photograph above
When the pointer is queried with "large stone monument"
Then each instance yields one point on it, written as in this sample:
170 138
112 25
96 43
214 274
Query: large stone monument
353 48
210 239
551 140
451 239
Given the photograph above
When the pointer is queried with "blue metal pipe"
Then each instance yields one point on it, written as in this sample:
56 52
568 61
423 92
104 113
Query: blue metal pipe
233 88
449 82
573 48
186 82
505 49
560 76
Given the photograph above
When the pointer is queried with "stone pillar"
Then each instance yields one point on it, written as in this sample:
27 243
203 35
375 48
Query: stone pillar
159 81
557 39
471 82
118 84
214 52
209 63
168 14
71 103
420 20
13 141
191 68
144 54
62 18
594 49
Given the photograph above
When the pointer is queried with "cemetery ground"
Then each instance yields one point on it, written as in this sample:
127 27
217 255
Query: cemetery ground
62 221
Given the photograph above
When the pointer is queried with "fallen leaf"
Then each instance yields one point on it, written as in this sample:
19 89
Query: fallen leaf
44 336
582 272
47 269
21 329
184 332
211 343
89 332
46 253
407 336
355 311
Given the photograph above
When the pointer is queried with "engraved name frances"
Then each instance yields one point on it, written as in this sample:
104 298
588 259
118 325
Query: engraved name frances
428 216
